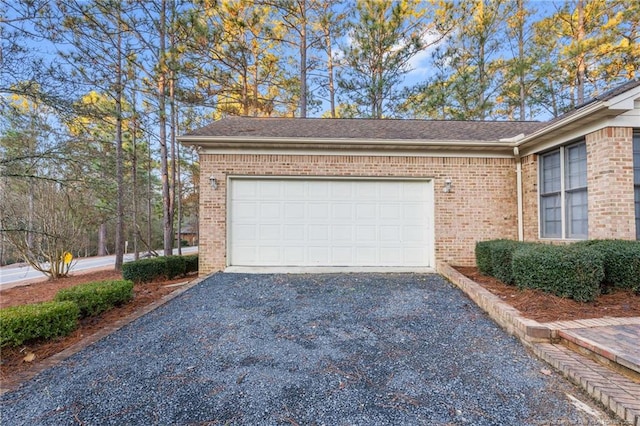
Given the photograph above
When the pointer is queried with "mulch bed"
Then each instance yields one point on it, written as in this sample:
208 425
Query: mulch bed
12 360
545 307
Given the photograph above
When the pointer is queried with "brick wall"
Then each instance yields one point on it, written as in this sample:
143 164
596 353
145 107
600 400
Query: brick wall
481 206
610 183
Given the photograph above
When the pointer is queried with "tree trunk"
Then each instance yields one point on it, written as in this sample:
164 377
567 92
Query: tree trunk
332 90
119 238
581 66
521 58
303 59
102 240
134 178
167 210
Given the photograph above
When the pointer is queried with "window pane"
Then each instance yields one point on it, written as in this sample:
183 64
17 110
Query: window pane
551 216
577 224
576 173
551 172
638 212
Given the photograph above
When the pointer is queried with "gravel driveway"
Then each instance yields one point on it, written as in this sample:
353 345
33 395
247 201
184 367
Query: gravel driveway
334 349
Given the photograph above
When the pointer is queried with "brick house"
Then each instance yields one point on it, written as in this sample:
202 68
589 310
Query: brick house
410 194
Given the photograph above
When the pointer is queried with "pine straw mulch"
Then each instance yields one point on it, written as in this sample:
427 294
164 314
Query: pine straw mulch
545 307
13 361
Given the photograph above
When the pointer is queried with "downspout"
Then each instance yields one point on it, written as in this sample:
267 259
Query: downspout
516 154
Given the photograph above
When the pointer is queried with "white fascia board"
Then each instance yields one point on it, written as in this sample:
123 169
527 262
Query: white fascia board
458 153
625 101
361 147
627 119
560 124
240 140
619 111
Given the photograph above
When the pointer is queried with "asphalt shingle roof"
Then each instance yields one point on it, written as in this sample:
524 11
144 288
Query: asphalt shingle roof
386 129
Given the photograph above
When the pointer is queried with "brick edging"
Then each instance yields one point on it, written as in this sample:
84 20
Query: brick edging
509 318
95 337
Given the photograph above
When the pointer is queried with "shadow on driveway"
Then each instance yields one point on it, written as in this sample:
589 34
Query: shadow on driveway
336 349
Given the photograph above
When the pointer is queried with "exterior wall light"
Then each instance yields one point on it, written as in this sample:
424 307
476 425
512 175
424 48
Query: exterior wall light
447 186
213 182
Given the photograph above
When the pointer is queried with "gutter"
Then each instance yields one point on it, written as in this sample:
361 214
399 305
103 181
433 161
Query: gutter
295 141
520 203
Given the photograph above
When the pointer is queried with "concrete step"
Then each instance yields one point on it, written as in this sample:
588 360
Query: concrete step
617 392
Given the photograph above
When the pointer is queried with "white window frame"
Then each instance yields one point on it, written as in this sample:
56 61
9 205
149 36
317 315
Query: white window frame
562 192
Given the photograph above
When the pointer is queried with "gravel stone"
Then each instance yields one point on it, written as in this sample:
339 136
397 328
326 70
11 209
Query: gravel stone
312 349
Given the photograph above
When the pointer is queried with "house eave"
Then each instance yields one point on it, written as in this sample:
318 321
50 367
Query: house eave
208 143
596 111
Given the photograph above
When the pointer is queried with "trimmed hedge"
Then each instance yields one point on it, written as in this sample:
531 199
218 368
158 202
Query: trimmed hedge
621 262
46 320
146 270
176 266
483 257
191 263
97 297
494 258
573 271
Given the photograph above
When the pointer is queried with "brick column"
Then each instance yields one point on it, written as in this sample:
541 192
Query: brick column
610 183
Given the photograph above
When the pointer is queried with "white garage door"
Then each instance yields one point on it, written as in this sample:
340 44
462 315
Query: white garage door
330 222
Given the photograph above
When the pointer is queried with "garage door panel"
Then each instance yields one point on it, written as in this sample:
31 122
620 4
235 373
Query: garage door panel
317 189
318 232
342 190
342 211
365 211
319 255
329 222
270 190
318 211
245 210
341 233
294 233
270 233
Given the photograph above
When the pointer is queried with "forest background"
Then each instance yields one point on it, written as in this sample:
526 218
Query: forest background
94 93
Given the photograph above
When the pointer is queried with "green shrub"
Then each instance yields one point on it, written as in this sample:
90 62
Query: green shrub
494 258
191 263
574 271
176 266
621 262
21 324
97 297
170 267
144 270
483 257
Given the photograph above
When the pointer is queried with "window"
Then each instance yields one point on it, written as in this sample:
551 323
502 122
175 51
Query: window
636 177
563 192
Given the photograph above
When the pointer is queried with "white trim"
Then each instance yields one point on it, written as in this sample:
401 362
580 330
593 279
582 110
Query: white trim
239 140
324 269
505 153
334 177
631 120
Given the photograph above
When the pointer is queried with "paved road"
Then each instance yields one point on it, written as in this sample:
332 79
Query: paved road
334 349
12 273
